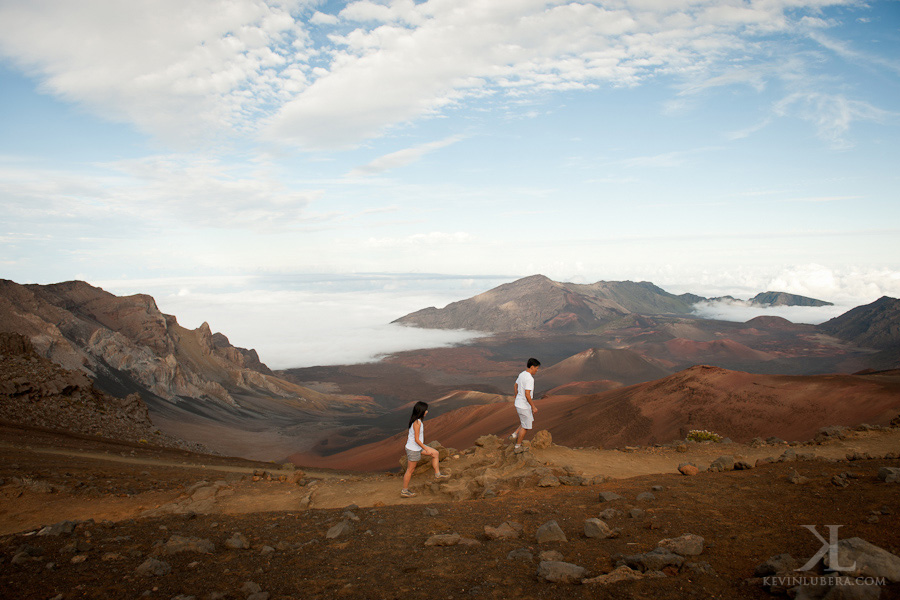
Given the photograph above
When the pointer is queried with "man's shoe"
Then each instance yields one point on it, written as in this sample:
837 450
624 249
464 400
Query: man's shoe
406 494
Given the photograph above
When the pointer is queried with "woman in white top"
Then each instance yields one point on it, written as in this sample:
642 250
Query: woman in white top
415 448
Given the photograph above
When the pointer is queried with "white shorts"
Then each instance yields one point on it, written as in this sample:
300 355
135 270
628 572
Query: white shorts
526 417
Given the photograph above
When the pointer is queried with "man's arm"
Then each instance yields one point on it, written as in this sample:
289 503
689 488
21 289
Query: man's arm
528 397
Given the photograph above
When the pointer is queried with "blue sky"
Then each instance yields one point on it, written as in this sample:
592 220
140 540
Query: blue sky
168 146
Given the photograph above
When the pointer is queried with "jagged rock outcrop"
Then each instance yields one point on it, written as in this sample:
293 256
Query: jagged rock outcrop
35 391
127 343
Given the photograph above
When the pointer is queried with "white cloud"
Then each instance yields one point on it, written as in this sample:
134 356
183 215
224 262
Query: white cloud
832 114
401 158
421 239
182 70
155 191
741 312
199 71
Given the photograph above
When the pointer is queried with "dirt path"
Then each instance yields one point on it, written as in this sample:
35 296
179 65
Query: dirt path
126 484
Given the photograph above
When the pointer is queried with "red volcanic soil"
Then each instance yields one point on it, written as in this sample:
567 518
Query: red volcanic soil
732 403
720 349
584 388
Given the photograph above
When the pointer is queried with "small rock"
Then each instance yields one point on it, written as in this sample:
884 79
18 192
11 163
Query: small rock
342 528
520 554
551 555
620 573
700 568
688 469
646 496
742 465
152 566
549 481
429 511
595 528
782 563
250 587
237 541
504 532
550 532
840 481
889 474
609 496
723 463
636 513
558 571
797 478
657 488
610 513
443 539
686 545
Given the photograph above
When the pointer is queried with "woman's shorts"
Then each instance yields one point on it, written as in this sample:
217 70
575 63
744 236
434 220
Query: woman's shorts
526 417
413 455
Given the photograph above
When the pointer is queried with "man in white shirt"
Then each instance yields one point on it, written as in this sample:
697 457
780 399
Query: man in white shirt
524 401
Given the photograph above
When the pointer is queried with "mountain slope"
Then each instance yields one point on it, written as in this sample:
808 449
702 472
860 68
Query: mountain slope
623 366
875 325
538 303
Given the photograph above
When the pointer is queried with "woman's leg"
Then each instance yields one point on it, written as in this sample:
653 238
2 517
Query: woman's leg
410 467
435 462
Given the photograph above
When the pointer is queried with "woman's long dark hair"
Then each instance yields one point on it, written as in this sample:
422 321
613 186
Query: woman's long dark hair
417 413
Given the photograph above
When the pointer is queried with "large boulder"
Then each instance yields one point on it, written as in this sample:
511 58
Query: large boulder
869 560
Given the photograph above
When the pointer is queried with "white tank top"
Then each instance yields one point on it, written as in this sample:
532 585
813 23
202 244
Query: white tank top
411 438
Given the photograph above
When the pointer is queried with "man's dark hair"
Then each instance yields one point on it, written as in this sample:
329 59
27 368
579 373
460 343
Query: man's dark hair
533 362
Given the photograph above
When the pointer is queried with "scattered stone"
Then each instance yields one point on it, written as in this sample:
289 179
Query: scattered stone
549 481
646 496
237 541
764 461
610 513
520 554
177 543
889 474
621 573
699 568
57 529
78 559
782 563
464 541
598 479
550 532
342 528
723 463
688 469
595 528
572 480
429 511
788 455
558 571
541 440
636 513
655 560
504 532
797 478
443 539
657 488
551 555
250 587
609 496
152 566
686 545
266 550
742 465
350 516
840 481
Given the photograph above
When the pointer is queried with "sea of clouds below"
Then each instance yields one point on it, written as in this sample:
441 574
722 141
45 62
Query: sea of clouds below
310 320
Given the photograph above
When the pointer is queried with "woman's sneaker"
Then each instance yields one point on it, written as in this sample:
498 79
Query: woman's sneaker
406 494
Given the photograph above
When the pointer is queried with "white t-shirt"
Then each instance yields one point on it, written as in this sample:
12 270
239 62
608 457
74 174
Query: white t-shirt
524 382
411 438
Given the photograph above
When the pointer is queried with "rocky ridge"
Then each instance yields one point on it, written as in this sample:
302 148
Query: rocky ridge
37 392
